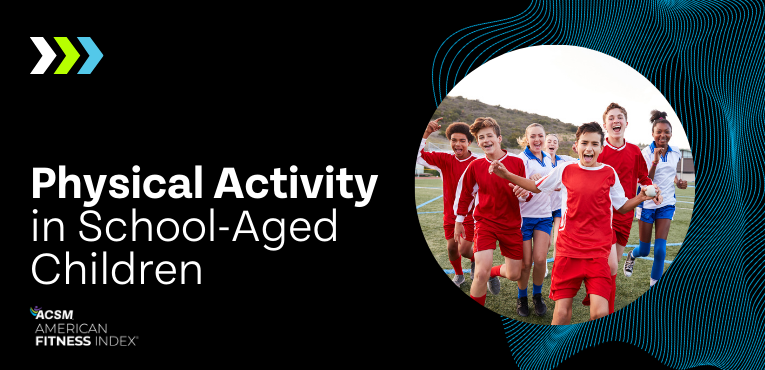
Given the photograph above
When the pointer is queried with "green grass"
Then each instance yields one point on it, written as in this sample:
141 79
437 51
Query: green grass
627 289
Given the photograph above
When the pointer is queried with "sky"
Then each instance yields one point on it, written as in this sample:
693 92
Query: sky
572 84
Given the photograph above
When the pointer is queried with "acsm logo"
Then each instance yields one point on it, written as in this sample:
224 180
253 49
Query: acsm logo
39 313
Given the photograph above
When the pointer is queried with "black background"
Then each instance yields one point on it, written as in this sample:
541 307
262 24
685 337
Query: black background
309 87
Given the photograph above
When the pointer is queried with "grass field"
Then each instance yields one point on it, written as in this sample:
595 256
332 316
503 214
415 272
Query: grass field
627 289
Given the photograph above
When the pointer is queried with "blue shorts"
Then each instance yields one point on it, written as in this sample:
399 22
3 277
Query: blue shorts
649 215
531 224
556 213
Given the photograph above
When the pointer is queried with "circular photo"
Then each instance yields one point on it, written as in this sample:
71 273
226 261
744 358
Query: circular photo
554 185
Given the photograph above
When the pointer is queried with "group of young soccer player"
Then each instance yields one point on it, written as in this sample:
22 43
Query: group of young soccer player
524 201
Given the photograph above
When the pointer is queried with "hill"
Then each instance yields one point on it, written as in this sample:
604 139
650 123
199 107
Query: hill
513 122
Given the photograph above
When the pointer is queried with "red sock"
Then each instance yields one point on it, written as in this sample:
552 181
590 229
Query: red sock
457 266
495 271
613 294
480 300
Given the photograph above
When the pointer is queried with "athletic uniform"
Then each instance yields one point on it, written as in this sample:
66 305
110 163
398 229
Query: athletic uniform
497 212
629 164
664 176
589 196
555 200
451 169
536 213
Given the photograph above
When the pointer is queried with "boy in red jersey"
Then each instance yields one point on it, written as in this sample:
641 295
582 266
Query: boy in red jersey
590 192
497 211
627 159
451 167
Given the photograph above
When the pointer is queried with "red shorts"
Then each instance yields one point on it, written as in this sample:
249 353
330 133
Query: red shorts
510 242
621 231
568 273
469 231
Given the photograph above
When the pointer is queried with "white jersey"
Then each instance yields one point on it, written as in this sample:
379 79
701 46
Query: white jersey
555 198
539 205
665 174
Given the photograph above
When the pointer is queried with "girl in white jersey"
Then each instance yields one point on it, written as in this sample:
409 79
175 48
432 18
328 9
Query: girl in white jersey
537 221
555 198
661 160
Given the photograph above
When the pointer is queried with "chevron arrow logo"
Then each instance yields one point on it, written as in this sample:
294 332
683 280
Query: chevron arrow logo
72 55
47 55
94 55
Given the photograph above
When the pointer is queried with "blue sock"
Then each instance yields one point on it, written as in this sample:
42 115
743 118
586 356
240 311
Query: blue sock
642 250
523 293
537 289
659 253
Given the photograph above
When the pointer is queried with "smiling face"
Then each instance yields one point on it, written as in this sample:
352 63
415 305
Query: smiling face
535 137
662 132
551 145
589 147
615 124
489 142
460 144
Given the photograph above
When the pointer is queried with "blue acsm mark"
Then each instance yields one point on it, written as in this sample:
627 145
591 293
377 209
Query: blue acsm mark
434 199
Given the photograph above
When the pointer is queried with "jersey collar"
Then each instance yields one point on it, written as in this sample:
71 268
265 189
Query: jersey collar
501 159
615 148
557 159
531 155
590 168
664 157
462 160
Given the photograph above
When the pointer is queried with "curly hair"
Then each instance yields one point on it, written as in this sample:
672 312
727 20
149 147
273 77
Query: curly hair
484 122
459 128
659 117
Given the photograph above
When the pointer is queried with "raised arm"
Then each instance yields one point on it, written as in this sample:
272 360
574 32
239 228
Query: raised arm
428 159
433 126
657 153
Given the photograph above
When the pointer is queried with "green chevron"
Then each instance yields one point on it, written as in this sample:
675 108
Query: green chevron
71 56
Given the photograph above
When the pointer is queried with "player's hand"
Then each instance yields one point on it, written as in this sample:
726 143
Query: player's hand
499 169
682 184
645 196
433 126
657 153
459 231
658 199
535 177
520 192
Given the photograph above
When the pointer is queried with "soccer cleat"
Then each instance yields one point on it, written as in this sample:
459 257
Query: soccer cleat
458 280
540 308
472 270
523 306
629 263
493 285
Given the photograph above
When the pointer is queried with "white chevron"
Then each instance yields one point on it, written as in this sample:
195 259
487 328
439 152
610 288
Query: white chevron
47 55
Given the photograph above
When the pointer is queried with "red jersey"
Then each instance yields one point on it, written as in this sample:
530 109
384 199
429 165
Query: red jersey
588 198
629 164
451 169
496 206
